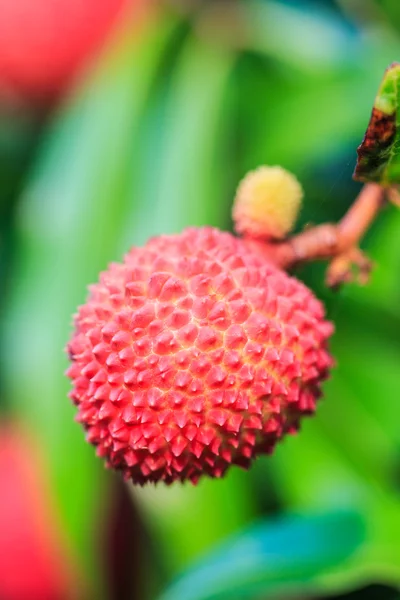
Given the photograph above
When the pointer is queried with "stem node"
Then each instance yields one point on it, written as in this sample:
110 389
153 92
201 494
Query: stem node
337 243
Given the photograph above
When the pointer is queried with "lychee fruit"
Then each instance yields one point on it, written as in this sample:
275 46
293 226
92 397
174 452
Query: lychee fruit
43 43
267 203
34 561
194 354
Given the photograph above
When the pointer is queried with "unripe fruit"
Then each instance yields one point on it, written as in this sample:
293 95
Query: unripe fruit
194 354
267 203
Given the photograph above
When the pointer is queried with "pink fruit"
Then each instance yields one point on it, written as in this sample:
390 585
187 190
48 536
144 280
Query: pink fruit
33 560
44 42
194 354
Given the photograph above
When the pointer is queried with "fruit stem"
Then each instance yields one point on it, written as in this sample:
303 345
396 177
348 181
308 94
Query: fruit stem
337 242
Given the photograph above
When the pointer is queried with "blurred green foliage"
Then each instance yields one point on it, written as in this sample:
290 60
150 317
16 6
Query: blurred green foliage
274 559
154 140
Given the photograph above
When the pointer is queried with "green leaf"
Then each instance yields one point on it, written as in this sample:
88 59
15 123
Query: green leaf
327 43
183 183
68 228
379 152
289 555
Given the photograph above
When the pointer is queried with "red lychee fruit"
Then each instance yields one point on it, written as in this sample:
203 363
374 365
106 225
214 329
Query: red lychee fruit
34 561
194 354
43 43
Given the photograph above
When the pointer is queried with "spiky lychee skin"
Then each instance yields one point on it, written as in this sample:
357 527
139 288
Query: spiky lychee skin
195 354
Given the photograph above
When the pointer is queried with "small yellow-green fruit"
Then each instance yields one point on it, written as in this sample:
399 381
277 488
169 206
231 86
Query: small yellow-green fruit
267 203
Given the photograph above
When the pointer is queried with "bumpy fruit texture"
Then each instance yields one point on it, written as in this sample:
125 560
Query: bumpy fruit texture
267 203
44 42
195 354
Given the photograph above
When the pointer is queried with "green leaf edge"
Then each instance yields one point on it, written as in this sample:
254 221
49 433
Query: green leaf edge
261 561
379 152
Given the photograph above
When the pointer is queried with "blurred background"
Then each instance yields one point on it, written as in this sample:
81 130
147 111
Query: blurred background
123 119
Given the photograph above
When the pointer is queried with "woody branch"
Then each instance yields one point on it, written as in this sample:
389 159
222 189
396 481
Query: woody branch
338 243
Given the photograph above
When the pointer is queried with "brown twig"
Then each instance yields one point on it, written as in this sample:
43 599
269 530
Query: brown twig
339 242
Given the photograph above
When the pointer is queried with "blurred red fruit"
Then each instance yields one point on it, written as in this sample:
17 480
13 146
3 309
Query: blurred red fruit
43 43
32 563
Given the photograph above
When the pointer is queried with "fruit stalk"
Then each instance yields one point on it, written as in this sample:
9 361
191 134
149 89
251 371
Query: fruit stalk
338 242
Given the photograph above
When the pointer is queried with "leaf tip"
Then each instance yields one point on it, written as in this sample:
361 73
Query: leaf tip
377 160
